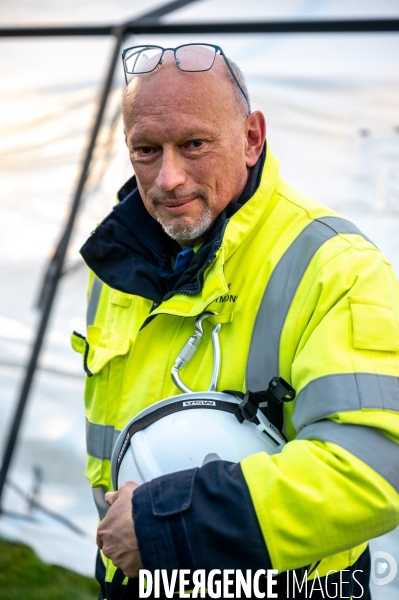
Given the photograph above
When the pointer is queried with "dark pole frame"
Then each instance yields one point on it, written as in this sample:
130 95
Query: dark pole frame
54 271
148 24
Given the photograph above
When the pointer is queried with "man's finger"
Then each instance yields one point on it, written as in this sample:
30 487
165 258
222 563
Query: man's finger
110 497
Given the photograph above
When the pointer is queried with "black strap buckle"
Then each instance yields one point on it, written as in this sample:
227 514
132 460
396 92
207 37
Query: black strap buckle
279 391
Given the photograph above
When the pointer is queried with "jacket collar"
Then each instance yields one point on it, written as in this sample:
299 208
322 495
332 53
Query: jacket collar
130 252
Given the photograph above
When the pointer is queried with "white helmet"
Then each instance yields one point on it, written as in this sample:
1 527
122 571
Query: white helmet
186 431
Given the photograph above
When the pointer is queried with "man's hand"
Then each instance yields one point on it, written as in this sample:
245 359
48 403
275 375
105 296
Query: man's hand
116 536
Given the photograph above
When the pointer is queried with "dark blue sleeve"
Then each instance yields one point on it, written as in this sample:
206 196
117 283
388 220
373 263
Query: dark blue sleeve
199 519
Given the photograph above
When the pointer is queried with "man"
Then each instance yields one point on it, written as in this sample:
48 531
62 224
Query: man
330 303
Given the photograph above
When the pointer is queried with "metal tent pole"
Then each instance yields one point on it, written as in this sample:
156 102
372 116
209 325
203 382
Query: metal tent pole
148 24
54 270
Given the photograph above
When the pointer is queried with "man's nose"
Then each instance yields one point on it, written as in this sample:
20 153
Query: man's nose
171 173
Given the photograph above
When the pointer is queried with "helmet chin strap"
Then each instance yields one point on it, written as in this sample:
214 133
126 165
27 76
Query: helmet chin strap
191 347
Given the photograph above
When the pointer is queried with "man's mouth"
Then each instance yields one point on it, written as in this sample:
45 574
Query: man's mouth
179 205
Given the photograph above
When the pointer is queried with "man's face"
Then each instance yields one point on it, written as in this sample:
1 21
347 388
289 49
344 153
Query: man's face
188 145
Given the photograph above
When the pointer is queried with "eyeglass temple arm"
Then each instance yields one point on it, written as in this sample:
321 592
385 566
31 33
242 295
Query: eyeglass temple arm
123 63
233 75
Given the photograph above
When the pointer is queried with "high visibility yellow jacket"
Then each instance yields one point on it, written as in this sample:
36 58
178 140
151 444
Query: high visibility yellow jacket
330 328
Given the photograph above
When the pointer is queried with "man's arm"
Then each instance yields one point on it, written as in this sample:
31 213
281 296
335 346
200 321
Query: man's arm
323 494
200 518
116 535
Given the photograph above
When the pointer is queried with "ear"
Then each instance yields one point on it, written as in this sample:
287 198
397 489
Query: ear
256 135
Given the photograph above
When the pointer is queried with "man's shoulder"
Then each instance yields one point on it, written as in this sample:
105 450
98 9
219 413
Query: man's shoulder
310 224
312 208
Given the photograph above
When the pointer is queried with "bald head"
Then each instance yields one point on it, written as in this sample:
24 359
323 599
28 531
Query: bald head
219 68
191 145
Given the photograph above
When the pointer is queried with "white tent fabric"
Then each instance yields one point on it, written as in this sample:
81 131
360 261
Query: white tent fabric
333 120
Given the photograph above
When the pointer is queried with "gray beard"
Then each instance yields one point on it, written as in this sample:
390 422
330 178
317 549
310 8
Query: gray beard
180 232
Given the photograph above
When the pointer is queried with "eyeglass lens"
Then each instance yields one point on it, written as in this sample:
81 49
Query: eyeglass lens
144 59
195 58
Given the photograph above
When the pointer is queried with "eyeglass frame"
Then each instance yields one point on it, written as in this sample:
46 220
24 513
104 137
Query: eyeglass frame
216 48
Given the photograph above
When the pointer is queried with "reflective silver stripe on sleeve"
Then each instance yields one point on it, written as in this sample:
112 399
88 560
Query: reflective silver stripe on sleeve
99 501
93 300
373 448
263 358
340 225
344 392
100 440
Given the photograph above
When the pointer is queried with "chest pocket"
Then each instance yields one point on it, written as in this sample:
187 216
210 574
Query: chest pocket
104 361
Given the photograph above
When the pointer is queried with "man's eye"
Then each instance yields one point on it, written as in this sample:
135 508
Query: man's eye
144 150
193 144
